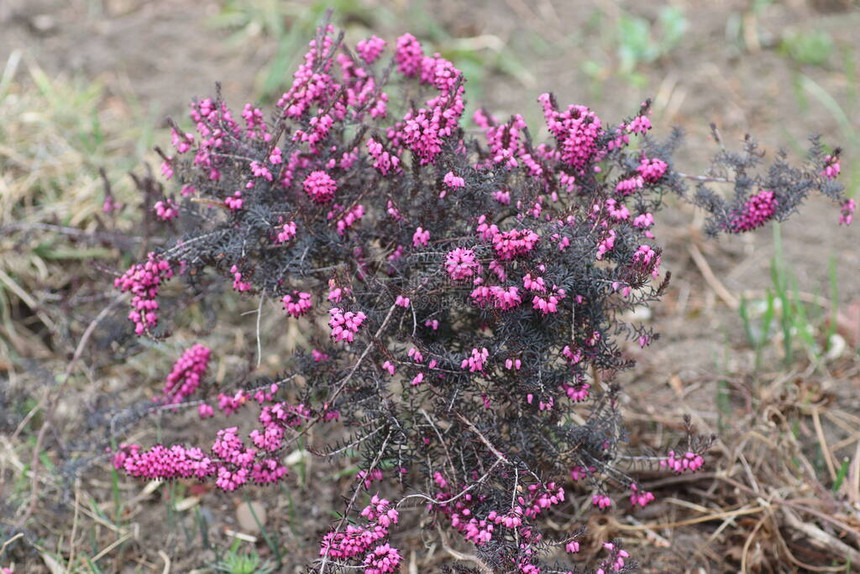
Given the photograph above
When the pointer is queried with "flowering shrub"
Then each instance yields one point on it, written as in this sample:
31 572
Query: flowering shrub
473 291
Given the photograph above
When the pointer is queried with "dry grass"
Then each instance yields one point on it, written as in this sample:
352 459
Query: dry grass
55 135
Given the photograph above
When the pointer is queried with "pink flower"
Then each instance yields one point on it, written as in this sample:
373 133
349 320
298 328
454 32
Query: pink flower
640 497
297 304
647 259
847 212
606 245
476 361
651 169
462 264
548 303
514 243
144 281
181 142
689 462
238 284
454 181
388 366
384 162
167 168
757 211
513 364
629 185
186 374
644 221
420 237
259 170
288 231
601 501
352 216
408 55
639 125
382 560
319 186
318 356
234 202
370 49
345 324
166 210
617 211
577 393
577 131
831 167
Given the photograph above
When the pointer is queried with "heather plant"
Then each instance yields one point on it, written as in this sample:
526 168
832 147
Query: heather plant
464 297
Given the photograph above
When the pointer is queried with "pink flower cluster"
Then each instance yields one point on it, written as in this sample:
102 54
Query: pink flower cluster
462 264
627 186
690 461
181 142
504 142
312 84
640 123
215 125
601 501
383 161
163 463
453 181
540 497
238 284
297 303
640 497
508 244
287 232
143 281
577 131
364 540
345 324
369 477
166 210
651 169
255 124
370 49
617 211
408 55
402 301
475 362
648 259
847 212
421 237
615 563
831 167
352 217
229 461
577 393
548 303
424 129
536 499
606 245
235 201
498 296
186 374
320 186
757 211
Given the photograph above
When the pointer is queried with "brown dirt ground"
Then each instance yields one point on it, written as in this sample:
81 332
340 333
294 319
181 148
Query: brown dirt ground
162 53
